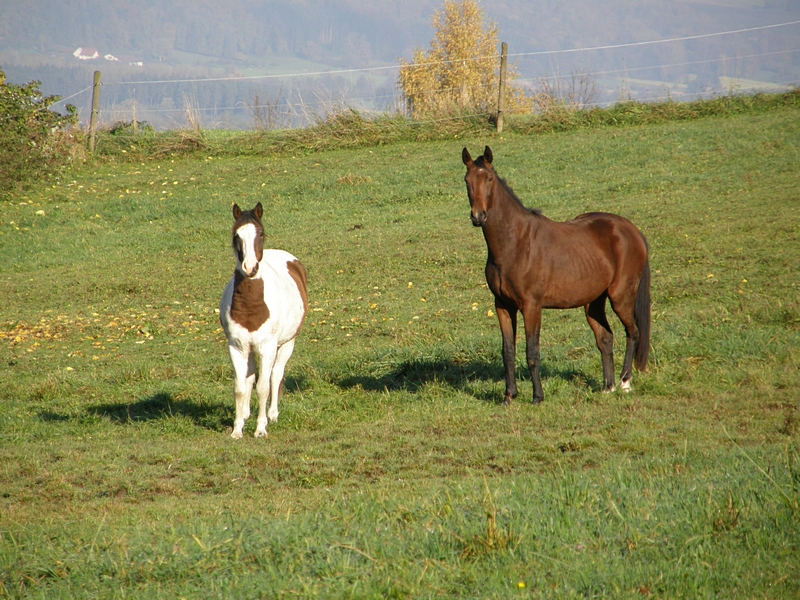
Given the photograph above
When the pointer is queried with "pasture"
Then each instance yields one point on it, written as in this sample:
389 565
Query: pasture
394 469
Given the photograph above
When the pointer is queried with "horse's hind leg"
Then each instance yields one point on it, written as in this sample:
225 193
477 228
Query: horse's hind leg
624 310
596 316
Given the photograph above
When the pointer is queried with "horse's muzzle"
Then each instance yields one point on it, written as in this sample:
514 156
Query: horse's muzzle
479 219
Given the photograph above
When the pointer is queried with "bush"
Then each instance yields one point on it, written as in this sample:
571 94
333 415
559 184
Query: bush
33 138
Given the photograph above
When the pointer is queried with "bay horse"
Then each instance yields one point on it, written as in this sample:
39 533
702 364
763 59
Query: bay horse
262 310
536 263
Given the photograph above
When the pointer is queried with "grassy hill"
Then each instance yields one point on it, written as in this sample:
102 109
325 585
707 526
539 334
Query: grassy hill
393 470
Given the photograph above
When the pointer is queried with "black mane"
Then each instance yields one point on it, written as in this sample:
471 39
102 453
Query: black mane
507 188
481 163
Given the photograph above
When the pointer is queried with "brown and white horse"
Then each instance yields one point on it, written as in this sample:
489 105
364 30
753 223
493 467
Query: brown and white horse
536 263
261 311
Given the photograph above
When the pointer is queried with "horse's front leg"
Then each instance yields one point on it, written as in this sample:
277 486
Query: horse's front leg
508 329
532 314
243 378
267 353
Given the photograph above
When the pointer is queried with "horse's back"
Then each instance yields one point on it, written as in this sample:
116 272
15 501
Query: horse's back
614 232
602 221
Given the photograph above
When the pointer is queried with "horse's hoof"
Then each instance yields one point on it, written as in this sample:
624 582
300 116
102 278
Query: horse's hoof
260 433
272 417
625 386
237 435
538 400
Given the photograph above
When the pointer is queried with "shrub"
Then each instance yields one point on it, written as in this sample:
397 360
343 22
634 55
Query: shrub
33 138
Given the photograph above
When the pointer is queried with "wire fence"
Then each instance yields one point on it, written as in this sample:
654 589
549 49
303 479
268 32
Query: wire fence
299 98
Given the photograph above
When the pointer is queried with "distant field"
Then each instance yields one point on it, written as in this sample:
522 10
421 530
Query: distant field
393 470
275 65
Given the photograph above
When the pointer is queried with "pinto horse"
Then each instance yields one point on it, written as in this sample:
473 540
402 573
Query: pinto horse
261 311
536 263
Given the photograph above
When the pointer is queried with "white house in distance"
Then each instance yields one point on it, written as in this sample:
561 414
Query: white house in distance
131 61
86 53
93 54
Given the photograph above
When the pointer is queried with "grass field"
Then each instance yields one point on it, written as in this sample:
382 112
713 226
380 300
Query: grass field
393 470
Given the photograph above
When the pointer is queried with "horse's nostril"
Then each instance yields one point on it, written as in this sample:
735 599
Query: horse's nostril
479 219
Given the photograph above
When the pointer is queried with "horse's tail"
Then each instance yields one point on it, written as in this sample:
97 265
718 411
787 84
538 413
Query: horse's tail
641 316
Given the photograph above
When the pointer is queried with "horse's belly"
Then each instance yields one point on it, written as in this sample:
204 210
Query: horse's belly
564 293
573 294
271 332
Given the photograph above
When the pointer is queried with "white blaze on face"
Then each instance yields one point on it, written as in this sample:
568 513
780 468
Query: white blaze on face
247 236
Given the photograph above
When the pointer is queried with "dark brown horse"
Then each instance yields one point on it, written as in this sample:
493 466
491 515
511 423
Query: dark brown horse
536 263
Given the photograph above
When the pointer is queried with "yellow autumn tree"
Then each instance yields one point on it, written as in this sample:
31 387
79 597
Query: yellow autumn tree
460 72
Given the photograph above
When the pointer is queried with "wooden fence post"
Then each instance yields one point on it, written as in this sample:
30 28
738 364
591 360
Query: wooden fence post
133 103
501 98
95 111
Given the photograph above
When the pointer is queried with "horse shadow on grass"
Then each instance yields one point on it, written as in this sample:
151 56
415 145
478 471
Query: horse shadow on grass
216 414
470 377
161 406
158 406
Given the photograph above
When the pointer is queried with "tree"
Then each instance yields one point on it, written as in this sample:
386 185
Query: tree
459 74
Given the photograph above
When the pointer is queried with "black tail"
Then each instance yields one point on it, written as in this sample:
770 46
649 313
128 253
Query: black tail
641 316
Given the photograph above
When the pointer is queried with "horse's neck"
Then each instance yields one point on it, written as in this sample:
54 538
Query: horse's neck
503 226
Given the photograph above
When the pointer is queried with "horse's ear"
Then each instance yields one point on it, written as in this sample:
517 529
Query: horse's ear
236 211
465 157
487 155
258 210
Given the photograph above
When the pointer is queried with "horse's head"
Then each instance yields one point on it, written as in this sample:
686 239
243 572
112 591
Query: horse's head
248 239
480 181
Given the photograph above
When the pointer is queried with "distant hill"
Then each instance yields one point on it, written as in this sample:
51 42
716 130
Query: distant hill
338 32
353 33
186 39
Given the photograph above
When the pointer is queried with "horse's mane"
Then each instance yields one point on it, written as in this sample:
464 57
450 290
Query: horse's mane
507 188
480 162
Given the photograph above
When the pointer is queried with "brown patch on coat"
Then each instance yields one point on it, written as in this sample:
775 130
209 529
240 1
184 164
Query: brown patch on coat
298 273
248 308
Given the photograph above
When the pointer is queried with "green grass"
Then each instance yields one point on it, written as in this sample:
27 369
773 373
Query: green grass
393 470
